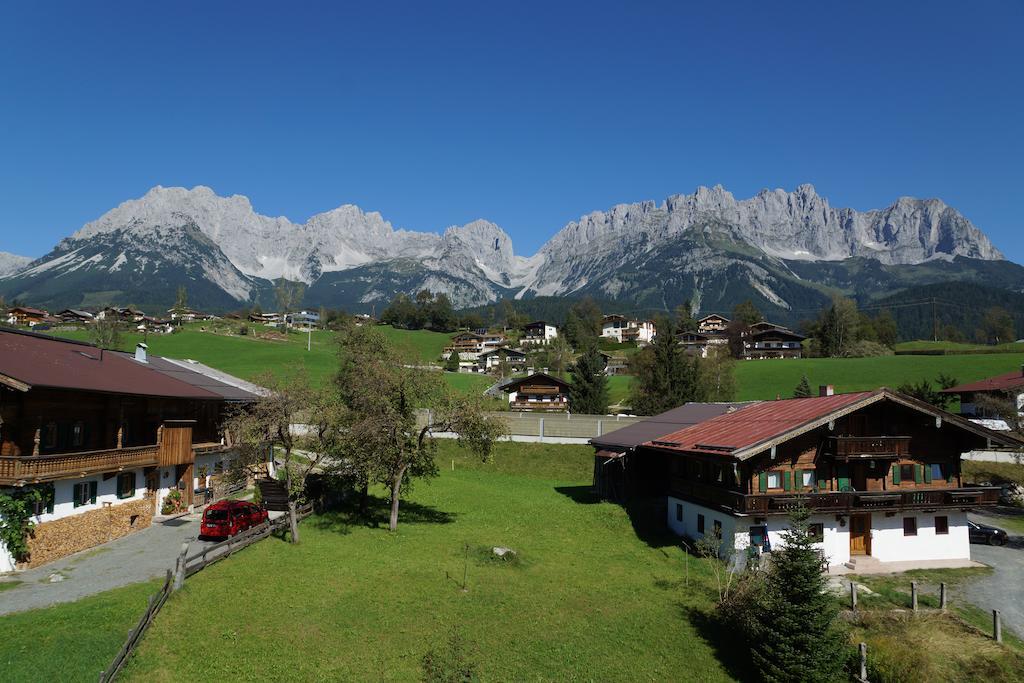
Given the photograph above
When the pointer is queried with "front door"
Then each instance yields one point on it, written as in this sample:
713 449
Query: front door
860 534
860 481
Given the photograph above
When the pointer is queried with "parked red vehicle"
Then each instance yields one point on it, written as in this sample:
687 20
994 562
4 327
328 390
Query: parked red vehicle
229 517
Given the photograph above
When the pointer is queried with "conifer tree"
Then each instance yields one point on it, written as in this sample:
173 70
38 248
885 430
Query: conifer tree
803 390
588 392
800 639
665 377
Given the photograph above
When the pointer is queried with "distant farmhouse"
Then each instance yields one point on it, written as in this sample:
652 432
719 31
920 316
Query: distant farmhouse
623 329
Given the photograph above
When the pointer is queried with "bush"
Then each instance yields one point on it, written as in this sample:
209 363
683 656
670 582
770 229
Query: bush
243 331
173 503
866 349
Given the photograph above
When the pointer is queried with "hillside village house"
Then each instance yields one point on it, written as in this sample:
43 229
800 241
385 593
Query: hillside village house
772 342
120 314
71 315
492 358
539 332
1008 387
880 472
304 319
712 324
699 343
469 345
539 391
26 316
106 436
623 329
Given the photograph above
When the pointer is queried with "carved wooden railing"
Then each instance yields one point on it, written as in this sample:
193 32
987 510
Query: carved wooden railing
845 446
768 503
15 469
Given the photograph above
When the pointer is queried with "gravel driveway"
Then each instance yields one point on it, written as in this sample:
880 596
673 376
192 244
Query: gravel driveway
132 559
1001 590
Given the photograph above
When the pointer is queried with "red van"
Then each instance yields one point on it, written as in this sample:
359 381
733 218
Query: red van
229 517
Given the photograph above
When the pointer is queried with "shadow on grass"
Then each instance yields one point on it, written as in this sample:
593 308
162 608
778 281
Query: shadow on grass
647 514
377 514
728 649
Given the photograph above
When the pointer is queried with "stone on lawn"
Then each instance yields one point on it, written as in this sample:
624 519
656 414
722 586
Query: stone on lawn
504 553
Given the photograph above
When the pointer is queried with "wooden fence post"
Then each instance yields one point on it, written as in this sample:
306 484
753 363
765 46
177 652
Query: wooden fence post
853 596
997 626
913 595
179 568
942 595
863 648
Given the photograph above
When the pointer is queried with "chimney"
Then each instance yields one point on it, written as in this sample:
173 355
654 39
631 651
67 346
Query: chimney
826 390
141 353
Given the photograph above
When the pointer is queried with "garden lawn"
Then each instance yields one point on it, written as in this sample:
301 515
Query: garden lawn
72 641
587 598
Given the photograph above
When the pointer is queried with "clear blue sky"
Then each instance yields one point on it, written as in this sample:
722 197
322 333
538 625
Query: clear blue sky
522 113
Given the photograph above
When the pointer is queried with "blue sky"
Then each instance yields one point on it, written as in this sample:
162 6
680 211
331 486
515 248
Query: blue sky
527 114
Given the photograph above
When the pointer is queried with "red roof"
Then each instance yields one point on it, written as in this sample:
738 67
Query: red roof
757 423
1011 380
41 361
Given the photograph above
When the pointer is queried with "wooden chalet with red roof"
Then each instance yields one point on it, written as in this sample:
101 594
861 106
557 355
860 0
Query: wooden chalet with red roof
879 471
105 436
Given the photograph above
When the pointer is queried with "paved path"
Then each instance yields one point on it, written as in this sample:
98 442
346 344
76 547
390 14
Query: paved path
1000 590
132 559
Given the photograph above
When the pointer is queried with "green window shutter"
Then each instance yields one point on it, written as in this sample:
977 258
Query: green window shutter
928 473
77 494
844 477
786 484
896 473
822 484
50 495
762 482
798 479
918 474
92 491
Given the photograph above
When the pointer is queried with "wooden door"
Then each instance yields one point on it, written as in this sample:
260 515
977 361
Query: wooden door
860 534
860 480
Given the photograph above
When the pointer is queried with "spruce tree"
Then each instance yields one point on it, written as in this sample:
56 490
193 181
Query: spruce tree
588 392
803 390
800 639
452 363
665 377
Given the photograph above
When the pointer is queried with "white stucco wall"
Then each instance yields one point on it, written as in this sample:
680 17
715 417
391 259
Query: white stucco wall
888 544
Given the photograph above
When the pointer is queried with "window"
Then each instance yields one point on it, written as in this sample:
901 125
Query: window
78 434
807 478
700 524
906 473
816 532
936 470
910 526
45 503
717 472
84 493
758 535
679 512
126 485
773 480
50 436
941 525
717 527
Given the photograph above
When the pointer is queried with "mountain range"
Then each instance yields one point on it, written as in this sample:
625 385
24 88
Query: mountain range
787 251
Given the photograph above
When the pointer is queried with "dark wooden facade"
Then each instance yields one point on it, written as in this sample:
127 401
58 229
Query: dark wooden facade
884 456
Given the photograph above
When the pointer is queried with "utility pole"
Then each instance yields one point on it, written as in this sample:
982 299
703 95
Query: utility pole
935 321
309 337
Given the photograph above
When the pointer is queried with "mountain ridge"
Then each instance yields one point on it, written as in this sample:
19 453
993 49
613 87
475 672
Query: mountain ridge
767 245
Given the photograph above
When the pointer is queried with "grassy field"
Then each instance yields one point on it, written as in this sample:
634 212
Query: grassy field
70 642
764 379
588 597
925 345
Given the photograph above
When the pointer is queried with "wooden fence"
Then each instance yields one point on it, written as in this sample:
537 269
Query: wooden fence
186 566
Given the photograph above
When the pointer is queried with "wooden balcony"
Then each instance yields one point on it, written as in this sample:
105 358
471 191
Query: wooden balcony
834 501
866 447
538 405
25 469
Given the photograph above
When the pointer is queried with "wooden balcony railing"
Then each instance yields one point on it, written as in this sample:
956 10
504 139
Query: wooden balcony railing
835 501
845 447
538 405
15 469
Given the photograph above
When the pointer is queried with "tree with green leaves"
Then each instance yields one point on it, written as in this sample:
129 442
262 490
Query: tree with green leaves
106 333
925 391
664 376
837 328
684 320
583 322
379 399
803 389
800 638
747 313
718 376
451 364
288 295
588 391
997 326
180 301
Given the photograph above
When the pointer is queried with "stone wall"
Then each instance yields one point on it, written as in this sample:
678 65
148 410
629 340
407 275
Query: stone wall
53 540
